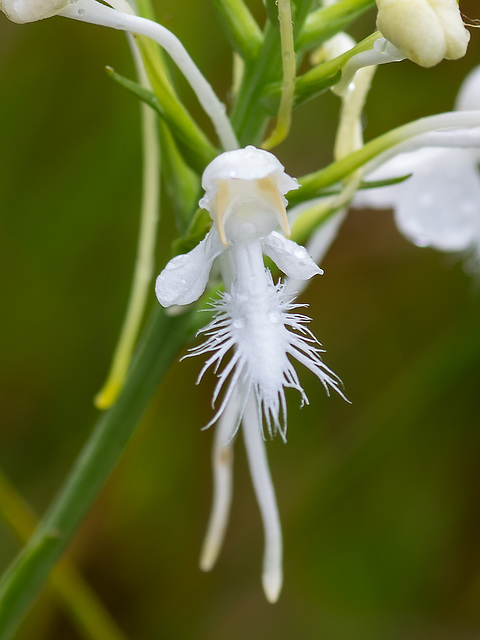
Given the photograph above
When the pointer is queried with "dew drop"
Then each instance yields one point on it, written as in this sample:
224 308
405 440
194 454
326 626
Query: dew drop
421 241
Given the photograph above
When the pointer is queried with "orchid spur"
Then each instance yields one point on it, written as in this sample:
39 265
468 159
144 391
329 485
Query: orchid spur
254 324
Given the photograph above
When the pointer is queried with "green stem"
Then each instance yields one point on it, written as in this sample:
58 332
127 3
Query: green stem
240 27
145 259
196 148
249 119
87 612
164 336
313 183
313 82
326 22
284 117
250 123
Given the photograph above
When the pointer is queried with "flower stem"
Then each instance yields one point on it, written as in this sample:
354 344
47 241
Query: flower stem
380 149
163 337
86 610
240 27
329 20
284 117
144 264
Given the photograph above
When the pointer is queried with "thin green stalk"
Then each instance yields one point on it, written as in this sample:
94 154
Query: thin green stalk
145 259
85 609
289 67
349 138
313 82
189 135
313 183
195 146
300 11
324 23
240 27
248 118
181 183
163 338
250 123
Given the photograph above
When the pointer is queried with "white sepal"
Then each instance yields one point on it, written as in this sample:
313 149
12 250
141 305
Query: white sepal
290 257
185 277
468 97
248 164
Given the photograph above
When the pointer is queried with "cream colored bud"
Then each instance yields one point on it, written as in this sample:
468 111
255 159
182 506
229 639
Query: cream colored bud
22 11
427 31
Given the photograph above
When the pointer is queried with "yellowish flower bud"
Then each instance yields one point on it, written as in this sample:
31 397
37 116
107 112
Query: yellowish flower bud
427 31
22 11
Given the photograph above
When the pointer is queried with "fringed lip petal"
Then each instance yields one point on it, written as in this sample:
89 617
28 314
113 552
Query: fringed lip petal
185 277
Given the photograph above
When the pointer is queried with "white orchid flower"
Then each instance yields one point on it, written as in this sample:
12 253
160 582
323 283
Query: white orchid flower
427 31
439 205
254 324
244 193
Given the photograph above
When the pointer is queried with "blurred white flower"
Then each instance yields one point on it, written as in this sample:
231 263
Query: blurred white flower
427 31
439 204
254 326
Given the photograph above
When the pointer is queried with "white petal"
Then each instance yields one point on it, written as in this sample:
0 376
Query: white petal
290 257
185 277
317 247
468 97
439 205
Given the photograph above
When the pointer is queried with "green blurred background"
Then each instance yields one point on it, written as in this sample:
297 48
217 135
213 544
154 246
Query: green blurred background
379 499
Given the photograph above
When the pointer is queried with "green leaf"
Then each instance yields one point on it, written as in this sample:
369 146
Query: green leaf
240 27
197 149
199 226
304 90
324 23
388 182
181 183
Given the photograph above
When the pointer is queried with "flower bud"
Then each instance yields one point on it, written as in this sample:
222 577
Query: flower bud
22 11
427 31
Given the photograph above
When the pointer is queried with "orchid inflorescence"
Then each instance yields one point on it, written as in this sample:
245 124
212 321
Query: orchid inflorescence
254 334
